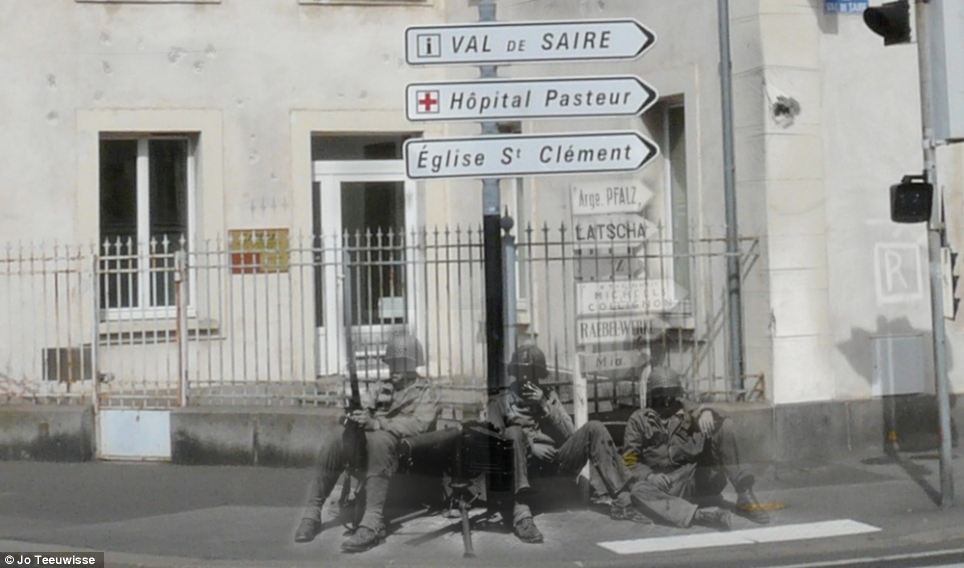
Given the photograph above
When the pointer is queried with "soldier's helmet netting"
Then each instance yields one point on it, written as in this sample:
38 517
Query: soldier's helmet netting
404 354
528 360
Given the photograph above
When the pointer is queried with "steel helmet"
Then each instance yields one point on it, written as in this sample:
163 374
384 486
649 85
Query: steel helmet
664 378
529 358
403 353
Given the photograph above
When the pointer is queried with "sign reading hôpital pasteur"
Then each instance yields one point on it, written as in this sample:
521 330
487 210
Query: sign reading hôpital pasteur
527 41
529 98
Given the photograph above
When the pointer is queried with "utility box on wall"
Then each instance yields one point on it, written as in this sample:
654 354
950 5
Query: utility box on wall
898 365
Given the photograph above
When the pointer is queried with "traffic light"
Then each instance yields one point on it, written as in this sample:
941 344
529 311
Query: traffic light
890 21
911 200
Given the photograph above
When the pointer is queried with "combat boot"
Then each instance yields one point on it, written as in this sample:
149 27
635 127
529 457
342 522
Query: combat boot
307 530
713 517
748 507
527 531
363 539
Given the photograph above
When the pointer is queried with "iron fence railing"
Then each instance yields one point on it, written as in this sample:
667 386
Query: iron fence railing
256 317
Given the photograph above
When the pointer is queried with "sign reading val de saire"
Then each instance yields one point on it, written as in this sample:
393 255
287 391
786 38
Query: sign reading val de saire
515 155
528 98
527 41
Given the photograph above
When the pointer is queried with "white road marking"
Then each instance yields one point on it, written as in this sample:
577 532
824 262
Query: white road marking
804 531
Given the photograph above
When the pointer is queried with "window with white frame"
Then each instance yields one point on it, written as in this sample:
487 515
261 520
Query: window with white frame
147 196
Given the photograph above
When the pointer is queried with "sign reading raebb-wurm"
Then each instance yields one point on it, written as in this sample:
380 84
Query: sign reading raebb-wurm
529 98
504 156
527 41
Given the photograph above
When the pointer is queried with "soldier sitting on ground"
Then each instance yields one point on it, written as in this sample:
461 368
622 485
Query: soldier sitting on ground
683 453
406 405
544 437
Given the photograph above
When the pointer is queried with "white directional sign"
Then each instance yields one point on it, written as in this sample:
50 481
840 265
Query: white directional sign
510 156
607 197
618 329
612 360
529 98
625 296
527 41
626 232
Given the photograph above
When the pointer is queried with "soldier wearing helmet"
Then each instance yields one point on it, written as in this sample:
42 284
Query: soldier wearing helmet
683 453
404 405
543 436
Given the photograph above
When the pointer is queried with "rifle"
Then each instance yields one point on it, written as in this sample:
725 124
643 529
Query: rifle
353 436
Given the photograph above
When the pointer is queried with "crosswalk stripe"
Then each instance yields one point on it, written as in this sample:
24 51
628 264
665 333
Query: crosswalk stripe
803 531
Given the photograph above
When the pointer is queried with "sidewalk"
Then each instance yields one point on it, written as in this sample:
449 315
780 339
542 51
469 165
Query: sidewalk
165 515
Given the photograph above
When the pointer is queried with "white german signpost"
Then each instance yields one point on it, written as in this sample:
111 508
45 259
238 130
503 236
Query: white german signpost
617 329
644 296
608 197
527 41
611 361
624 232
515 155
528 98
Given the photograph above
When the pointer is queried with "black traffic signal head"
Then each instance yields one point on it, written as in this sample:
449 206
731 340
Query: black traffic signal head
910 201
890 21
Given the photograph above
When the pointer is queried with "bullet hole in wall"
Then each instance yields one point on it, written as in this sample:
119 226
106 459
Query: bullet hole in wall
784 111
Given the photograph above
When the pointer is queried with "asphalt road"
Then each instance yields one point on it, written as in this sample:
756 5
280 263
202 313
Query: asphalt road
165 515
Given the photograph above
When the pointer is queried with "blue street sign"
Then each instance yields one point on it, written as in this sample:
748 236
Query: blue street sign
844 6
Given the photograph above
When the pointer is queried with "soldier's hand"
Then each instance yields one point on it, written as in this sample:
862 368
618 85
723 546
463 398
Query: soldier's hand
365 420
531 391
631 458
544 452
707 422
661 481
360 417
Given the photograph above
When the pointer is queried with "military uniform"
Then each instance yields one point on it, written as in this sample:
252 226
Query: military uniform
534 425
677 461
404 405
408 412
696 464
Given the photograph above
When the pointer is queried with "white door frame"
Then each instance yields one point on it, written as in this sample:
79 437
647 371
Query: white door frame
330 175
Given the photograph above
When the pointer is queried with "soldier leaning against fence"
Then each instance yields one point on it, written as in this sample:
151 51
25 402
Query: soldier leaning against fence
406 405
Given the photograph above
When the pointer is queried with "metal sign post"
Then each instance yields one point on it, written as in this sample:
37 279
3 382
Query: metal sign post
491 235
935 240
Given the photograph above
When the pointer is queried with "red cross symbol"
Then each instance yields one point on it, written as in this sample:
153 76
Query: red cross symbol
427 101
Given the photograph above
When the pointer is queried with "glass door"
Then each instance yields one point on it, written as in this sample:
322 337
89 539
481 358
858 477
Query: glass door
367 215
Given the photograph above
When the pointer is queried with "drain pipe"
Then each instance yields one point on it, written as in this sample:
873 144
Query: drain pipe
734 304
